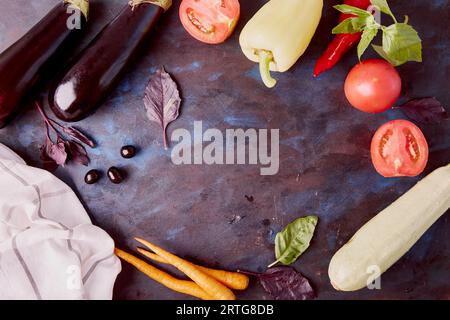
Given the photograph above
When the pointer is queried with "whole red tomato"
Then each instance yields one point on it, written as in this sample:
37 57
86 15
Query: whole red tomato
373 86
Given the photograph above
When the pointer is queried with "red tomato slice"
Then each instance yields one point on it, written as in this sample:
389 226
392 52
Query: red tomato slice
210 21
398 149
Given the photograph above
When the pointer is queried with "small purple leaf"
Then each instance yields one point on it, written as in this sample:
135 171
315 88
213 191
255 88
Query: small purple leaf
77 152
54 154
284 283
425 110
80 136
47 163
57 151
162 100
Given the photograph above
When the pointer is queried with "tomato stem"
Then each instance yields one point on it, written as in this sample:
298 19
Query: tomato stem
265 58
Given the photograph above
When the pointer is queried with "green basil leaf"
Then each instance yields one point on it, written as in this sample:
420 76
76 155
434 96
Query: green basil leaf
380 51
402 43
370 32
344 8
383 6
294 240
367 37
350 25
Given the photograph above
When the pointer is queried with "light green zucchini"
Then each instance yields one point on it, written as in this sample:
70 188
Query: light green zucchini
390 234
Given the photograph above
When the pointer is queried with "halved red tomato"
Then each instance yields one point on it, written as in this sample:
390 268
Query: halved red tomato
398 149
210 21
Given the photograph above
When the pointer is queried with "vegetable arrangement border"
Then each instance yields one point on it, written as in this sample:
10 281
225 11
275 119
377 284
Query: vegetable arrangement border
276 37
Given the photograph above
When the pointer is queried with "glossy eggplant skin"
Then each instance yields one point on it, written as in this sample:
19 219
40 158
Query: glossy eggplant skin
100 66
33 58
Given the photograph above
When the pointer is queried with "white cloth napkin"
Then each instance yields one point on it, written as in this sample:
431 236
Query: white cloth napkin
49 248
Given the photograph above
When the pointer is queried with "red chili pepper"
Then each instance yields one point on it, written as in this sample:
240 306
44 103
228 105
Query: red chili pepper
341 43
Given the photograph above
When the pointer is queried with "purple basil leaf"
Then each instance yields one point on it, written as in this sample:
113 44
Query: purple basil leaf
425 110
77 152
285 283
57 151
78 135
162 100
47 163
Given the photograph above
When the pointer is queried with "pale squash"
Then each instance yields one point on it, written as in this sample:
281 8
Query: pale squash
390 234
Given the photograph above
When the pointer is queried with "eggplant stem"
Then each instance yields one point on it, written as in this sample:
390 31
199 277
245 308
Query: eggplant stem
165 4
265 58
82 5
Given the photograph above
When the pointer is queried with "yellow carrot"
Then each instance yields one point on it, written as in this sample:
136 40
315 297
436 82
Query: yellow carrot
182 286
213 287
232 280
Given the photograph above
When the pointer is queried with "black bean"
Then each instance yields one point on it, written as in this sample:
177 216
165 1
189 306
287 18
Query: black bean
92 177
115 175
128 152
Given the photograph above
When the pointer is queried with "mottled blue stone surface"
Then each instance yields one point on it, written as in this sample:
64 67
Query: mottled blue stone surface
325 165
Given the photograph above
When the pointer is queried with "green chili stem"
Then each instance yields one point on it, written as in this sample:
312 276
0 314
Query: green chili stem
265 58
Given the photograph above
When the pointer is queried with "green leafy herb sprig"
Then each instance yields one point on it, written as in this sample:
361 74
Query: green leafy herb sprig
294 240
401 42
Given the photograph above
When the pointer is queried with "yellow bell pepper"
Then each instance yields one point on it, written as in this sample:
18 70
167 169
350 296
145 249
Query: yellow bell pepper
279 34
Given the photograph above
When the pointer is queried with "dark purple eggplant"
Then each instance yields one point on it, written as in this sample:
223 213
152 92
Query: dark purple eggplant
32 59
100 66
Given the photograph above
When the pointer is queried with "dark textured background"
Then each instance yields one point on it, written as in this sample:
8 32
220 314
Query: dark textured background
201 212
